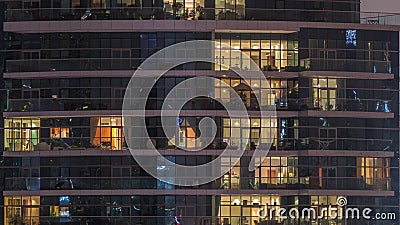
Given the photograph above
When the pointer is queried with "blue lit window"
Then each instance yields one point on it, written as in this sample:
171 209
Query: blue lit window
179 121
283 133
351 37
64 209
64 200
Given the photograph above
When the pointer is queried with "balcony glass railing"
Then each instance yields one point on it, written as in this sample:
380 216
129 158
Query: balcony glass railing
89 64
154 13
199 13
36 65
348 104
80 104
350 65
101 183
286 144
380 18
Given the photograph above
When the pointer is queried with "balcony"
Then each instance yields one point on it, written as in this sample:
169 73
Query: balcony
349 65
88 64
88 104
132 13
104 183
76 64
347 104
287 144
62 104
380 18
180 13
93 64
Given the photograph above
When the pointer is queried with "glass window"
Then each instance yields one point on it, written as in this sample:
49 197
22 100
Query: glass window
267 54
22 208
21 134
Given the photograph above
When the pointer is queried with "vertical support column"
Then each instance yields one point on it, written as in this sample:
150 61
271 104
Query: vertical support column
2 106
398 148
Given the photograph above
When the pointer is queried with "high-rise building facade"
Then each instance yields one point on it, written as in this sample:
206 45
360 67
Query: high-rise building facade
333 76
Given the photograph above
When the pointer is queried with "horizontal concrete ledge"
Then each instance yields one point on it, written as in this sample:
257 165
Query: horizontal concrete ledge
194 73
130 73
272 153
348 75
346 114
52 114
149 113
219 113
367 193
179 25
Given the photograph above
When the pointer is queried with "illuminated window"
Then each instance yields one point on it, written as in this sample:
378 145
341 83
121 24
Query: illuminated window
274 170
238 209
21 210
61 210
21 134
325 94
373 171
271 92
59 132
107 133
64 209
276 54
351 37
